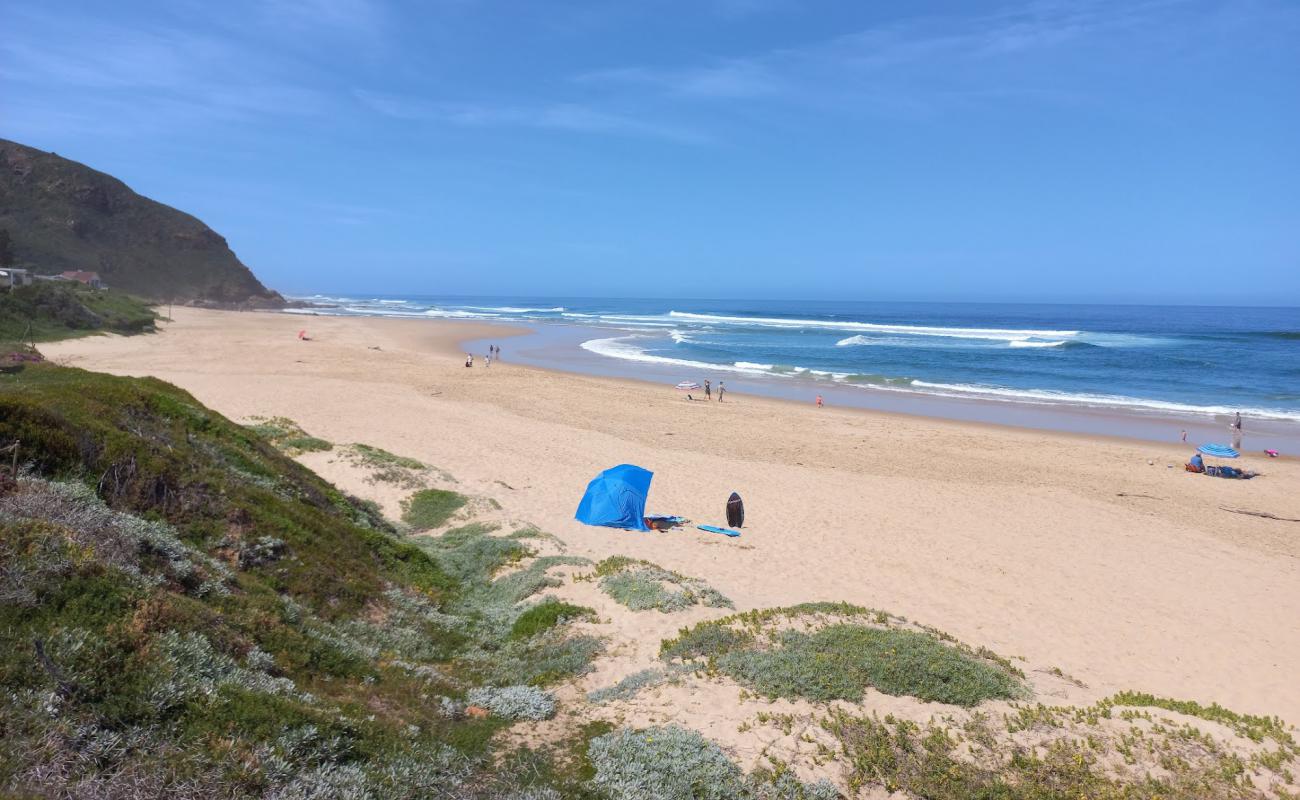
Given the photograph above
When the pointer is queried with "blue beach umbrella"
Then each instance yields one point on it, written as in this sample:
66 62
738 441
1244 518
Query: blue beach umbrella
1218 451
616 498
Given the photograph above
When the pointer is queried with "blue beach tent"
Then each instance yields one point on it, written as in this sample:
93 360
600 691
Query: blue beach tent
616 498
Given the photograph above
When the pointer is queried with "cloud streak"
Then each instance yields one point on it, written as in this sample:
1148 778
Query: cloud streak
915 65
565 117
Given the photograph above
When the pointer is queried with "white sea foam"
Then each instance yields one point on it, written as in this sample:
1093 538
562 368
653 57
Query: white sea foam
621 347
1004 334
450 313
1095 400
680 338
518 310
1035 343
755 367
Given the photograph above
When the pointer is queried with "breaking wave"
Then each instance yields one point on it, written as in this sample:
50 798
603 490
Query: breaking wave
1004 334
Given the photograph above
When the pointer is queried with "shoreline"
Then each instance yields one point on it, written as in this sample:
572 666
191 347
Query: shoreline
1073 551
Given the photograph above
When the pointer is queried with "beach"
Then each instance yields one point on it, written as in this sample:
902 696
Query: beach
1099 558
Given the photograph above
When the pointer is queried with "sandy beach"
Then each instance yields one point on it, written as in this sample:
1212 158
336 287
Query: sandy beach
1082 554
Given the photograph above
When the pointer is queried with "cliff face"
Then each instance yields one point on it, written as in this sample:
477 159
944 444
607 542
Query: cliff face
61 215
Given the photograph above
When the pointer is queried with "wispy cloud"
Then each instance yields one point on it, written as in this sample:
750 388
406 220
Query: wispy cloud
570 117
923 62
734 78
129 76
350 18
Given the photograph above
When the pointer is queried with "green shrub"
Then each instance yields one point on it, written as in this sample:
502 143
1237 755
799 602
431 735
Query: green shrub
470 553
386 467
306 444
431 508
61 310
546 615
707 640
673 763
514 702
378 457
641 586
837 659
287 435
627 688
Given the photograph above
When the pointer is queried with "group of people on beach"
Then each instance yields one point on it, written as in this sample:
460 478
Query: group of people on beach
708 390
493 352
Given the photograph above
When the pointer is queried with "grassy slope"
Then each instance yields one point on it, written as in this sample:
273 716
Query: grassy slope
323 654
58 310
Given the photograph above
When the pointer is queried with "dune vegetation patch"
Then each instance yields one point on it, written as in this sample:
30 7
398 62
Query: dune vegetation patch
1132 746
431 508
287 435
825 652
673 763
642 586
490 601
546 615
386 467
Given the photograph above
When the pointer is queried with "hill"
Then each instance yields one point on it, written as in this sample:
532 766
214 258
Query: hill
61 215
211 619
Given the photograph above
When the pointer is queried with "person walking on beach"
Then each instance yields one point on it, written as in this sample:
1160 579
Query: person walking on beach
1236 432
1184 434
708 393
819 401
469 360
721 390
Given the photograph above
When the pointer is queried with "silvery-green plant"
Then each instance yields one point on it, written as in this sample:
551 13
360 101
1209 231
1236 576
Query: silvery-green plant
193 668
663 763
673 763
514 702
116 539
642 586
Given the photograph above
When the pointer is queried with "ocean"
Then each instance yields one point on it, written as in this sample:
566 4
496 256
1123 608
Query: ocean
1201 363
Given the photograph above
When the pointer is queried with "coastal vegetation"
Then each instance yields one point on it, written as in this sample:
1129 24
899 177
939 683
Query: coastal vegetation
186 611
431 508
826 652
49 310
642 586
287 435
386 467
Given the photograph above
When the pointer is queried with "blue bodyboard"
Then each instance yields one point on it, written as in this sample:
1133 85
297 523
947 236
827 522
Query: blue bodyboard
716 529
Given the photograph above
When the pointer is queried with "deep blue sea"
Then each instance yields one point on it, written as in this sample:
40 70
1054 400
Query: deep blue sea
1173 359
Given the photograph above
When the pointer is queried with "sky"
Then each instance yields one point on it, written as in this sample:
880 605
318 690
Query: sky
1022 151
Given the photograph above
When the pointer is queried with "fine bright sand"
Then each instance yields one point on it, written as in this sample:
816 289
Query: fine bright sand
1069 552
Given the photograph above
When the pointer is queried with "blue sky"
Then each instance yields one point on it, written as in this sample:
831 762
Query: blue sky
1092 151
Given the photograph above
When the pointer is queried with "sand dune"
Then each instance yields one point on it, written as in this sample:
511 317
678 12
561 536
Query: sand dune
1067 551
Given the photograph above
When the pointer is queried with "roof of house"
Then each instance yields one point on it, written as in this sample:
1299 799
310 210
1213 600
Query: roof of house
81 275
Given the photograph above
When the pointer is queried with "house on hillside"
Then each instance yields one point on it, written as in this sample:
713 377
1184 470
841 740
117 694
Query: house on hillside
91 279
10 277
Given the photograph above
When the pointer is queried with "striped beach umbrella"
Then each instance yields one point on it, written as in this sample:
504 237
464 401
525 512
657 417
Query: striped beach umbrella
1218 451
